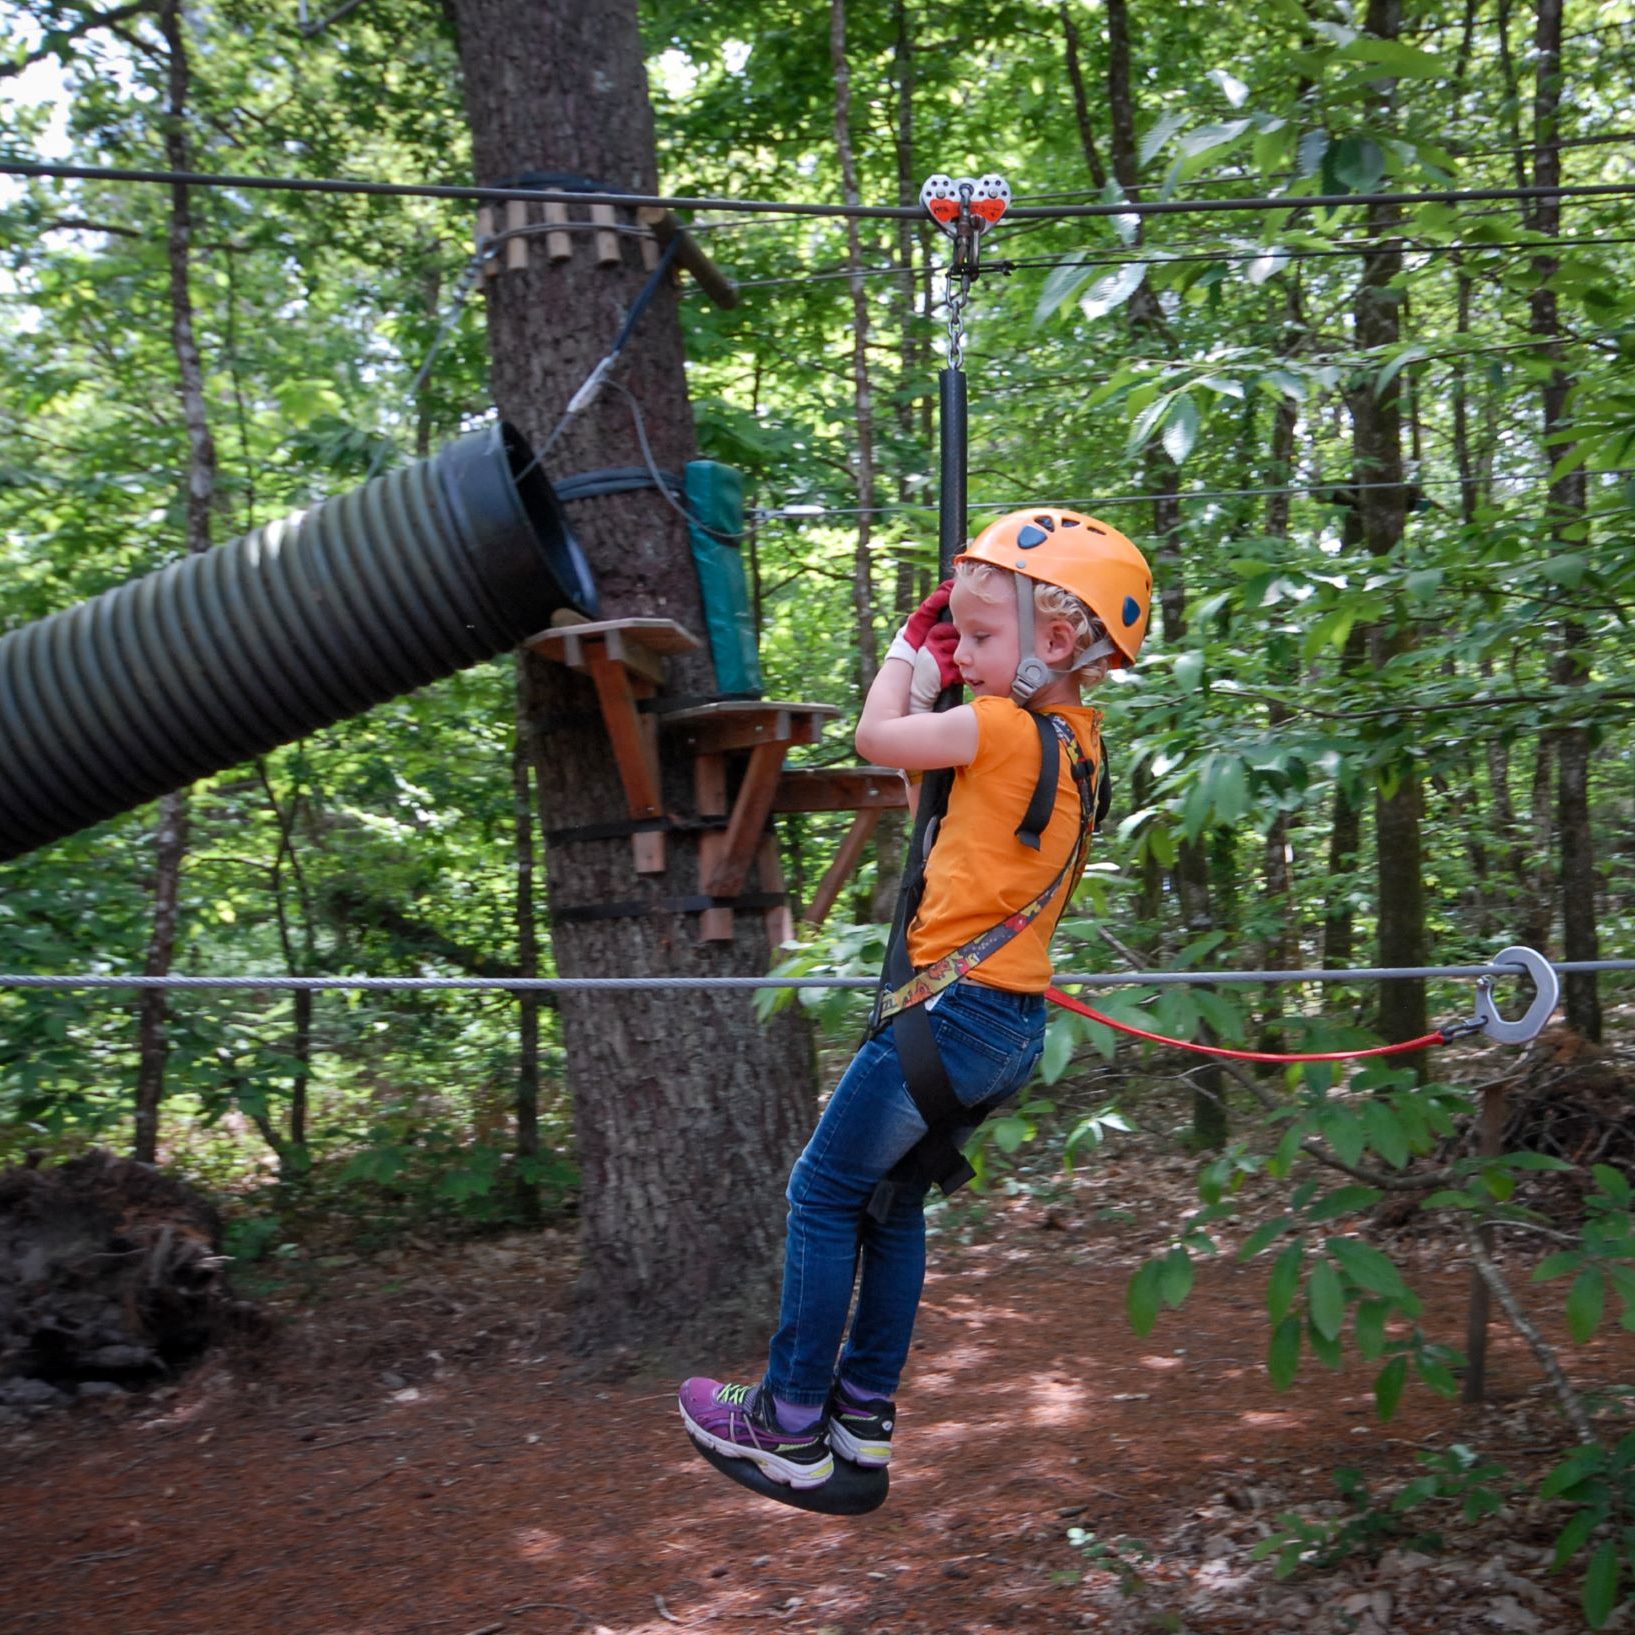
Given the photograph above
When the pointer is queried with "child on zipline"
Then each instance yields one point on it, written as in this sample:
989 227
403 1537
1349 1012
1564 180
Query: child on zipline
1043 604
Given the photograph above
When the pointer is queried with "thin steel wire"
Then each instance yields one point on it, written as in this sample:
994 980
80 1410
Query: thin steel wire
891 212
739 984
816 510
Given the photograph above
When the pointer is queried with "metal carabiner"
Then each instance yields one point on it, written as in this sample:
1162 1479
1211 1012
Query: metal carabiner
1546 992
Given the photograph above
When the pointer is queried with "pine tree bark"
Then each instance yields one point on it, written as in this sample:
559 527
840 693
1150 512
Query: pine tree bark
688 1113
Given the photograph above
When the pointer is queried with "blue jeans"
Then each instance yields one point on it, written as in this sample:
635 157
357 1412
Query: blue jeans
989 1041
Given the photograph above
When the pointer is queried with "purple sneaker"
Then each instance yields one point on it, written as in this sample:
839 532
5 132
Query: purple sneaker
860 1429
738 1420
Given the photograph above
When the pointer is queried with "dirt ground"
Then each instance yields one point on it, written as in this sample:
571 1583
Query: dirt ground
414 1453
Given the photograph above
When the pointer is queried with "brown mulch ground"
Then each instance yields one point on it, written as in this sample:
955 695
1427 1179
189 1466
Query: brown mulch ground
414 1454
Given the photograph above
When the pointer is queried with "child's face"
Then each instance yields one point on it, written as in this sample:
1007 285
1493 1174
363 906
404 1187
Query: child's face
988 650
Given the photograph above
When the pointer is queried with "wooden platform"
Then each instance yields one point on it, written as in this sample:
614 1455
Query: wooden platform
624 658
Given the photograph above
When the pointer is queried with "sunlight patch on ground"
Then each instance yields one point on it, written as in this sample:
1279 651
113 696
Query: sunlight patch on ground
536 1542
1162 1362
1055 1402
1276 1420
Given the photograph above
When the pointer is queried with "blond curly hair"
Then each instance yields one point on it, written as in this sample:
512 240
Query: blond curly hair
995 584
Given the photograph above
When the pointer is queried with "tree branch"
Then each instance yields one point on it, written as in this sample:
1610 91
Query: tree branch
57 38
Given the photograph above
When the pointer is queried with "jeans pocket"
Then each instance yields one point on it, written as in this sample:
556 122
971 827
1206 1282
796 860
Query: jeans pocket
987 1049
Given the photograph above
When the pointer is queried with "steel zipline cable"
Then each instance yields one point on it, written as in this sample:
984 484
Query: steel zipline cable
619 984
1130 207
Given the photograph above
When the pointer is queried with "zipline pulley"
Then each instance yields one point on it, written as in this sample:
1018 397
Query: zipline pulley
964 208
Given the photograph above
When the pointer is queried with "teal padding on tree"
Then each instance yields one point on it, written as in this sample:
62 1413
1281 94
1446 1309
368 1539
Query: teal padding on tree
715 502
220 657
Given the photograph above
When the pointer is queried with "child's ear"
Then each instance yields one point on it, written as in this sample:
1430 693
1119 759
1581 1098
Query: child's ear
1059 638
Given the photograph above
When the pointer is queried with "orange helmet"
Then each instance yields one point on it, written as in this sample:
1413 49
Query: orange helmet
1092 560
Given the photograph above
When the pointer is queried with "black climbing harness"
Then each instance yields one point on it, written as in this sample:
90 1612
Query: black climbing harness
964 209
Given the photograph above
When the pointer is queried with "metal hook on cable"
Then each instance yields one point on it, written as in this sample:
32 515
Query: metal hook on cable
1546 992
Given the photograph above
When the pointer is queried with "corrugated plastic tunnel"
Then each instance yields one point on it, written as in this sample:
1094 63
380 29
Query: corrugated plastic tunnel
223 656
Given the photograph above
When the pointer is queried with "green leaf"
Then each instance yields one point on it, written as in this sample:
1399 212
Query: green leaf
1611 1182
1575 1468
1586 1303
1388 1384
1369 1325
1601 1583
1181 428
1344 1201
1189 670
1264 1236
1400 61
1313 145
1144 1299
1367 1267
1571 1539
1558 1264
1284 1282
1355 164
1162 131
1009 1133
1209 137
1386 1132
1325 1296
1175 1276
1112 292
1283 1354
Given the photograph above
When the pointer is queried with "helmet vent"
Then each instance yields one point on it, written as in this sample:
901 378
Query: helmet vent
1028 536
1071 522
1047 523
1131 610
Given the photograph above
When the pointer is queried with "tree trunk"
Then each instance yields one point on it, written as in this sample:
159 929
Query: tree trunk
527 1098
688 1113
868 656
1569 528
1163 479
171 843
1382 513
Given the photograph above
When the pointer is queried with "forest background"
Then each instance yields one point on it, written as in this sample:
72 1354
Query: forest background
1381 455
1336 657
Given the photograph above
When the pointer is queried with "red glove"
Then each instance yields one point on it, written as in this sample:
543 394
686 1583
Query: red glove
942 641
925 617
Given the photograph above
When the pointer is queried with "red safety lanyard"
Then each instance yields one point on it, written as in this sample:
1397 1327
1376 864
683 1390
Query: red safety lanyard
1441 1037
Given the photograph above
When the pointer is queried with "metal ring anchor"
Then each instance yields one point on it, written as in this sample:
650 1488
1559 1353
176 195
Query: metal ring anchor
1546 992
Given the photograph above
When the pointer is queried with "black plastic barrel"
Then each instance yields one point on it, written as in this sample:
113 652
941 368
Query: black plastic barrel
221 657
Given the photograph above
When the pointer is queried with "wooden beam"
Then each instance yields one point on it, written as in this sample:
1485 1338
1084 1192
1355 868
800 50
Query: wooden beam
844 865
516 249
711 729
747 825
607 241
558 246
711 279
635 745
840 789
780 923
710 796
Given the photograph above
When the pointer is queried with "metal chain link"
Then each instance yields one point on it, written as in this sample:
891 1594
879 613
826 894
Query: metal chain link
959 292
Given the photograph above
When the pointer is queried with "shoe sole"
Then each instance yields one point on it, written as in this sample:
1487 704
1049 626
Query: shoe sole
775 1468
870 1455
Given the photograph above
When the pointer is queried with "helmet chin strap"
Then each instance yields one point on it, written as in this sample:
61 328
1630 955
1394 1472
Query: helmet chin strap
1032 673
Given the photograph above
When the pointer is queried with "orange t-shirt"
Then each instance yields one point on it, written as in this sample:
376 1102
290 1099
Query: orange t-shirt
979 873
